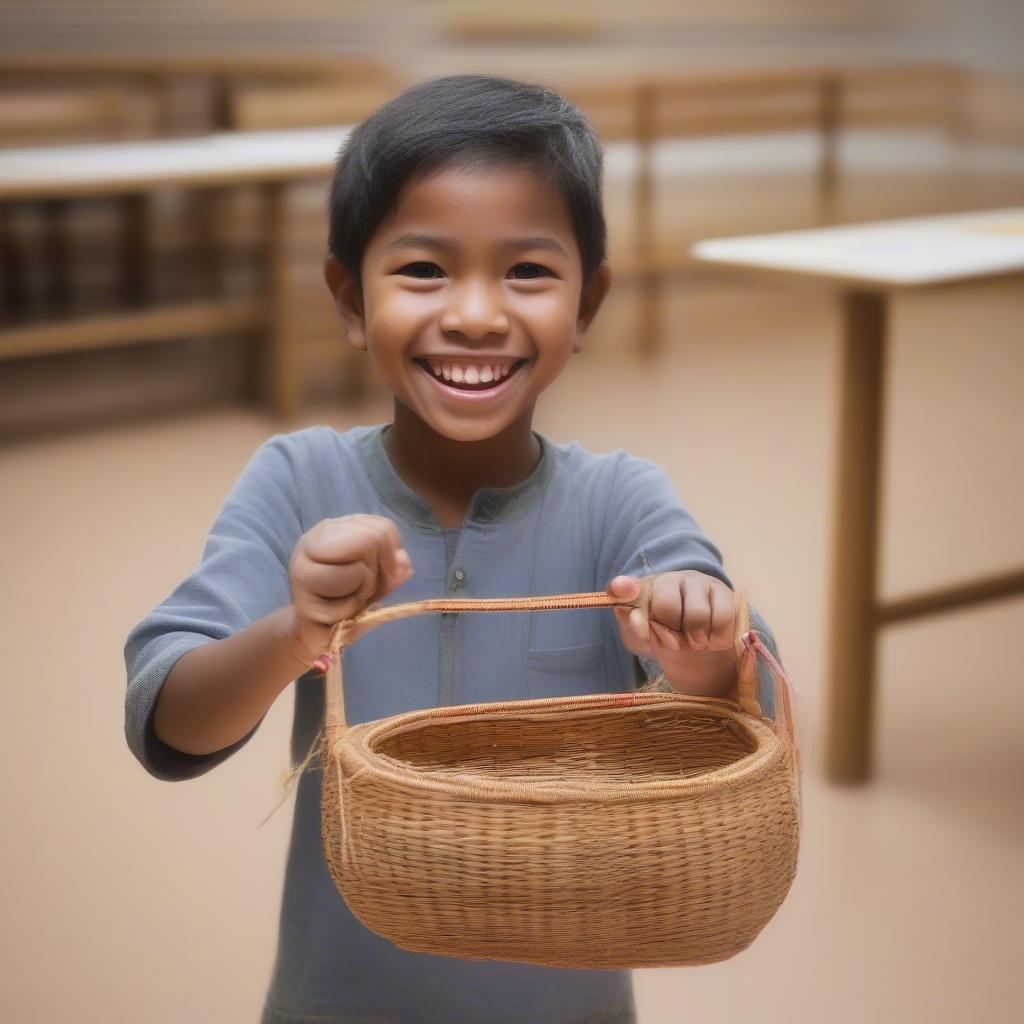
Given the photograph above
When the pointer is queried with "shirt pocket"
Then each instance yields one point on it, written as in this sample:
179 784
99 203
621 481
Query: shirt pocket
567 671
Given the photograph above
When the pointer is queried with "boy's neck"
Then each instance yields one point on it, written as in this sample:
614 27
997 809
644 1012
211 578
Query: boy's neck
447 473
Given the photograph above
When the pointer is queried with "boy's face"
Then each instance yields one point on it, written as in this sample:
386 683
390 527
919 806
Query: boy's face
471 303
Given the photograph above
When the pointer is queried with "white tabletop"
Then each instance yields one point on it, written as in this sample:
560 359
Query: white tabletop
903 253
111 167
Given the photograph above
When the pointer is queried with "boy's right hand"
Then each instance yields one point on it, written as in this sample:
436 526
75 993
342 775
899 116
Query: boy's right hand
338 568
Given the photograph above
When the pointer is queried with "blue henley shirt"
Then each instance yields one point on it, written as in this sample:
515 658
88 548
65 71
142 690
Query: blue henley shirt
577 521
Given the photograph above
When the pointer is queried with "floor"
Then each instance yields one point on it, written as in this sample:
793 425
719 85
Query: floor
124 892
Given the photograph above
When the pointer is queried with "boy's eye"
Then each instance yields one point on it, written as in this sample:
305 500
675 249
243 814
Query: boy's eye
426 271
533 270
422 269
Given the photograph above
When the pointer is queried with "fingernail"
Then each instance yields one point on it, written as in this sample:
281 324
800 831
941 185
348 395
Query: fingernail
697 639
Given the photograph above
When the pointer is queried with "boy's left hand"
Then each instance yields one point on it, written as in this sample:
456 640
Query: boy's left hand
691 632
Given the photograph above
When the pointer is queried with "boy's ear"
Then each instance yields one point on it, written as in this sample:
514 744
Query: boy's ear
593 294
348 301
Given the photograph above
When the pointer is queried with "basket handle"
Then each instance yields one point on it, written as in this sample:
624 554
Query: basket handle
745 694
347 631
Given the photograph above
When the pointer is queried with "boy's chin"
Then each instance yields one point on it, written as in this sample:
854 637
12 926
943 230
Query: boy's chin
470 427
468 432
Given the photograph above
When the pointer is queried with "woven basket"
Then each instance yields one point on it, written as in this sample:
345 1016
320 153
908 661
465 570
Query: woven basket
615 830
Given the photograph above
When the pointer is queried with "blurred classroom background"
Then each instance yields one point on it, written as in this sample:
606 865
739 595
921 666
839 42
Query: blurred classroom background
162 312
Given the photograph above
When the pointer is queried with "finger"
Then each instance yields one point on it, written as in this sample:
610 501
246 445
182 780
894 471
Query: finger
638 623
330 582
394 555
696 613
391 556
368 535
723 618
353 539
336 541
630 640
625 587
666 613
667 603
384 556
666 637
327 612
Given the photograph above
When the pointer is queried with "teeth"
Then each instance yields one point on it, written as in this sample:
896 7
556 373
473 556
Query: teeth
470 373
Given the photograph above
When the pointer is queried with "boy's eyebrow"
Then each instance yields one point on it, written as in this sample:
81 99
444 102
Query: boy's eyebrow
414 240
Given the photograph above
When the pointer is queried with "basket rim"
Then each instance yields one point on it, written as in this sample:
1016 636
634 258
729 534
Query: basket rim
356 748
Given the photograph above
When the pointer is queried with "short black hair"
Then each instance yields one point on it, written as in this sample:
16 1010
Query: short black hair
465 120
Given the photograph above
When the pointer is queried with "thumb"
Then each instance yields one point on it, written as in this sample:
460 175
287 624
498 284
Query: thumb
625 587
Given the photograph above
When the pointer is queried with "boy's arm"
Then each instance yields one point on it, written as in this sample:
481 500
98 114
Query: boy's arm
205 664
217 693
646 529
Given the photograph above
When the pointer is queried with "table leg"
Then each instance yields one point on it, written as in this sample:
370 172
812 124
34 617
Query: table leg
208 263
278 380
57 255
14 293
134 276
853 633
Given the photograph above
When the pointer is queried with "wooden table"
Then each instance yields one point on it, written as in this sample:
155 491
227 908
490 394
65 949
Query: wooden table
867 264
272 160
159 71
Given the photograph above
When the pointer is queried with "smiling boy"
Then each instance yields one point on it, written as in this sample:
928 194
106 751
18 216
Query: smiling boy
467 260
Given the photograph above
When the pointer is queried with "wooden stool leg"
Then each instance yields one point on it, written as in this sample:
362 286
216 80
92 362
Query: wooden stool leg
854 623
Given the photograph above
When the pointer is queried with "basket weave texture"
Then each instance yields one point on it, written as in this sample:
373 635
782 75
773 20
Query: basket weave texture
612 830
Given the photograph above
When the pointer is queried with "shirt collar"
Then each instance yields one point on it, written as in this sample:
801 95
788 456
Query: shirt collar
487 504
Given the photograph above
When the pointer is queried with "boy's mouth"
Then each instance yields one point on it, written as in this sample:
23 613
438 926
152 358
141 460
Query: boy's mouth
470 378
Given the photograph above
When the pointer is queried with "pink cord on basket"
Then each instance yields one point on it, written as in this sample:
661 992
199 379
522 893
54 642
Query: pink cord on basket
323 663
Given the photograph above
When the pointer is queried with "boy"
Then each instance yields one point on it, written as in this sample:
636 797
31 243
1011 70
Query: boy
467 259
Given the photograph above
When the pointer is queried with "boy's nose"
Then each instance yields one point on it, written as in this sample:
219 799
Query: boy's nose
475 311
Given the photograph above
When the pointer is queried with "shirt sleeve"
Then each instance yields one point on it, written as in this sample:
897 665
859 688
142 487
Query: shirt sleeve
242 576
648 530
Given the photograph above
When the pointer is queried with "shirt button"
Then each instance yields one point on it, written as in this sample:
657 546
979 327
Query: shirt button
460 575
